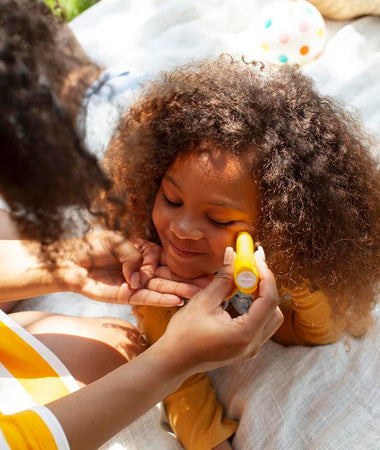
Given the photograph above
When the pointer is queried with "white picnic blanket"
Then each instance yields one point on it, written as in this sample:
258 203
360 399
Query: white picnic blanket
293 398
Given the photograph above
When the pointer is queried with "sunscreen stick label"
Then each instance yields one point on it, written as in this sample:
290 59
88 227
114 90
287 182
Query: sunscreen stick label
246 279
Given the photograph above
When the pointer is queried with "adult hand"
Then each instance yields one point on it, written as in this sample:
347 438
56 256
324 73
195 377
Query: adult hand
167 282
202 336
103 265
107 267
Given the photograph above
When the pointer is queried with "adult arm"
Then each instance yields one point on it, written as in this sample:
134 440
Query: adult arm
104 266
194 413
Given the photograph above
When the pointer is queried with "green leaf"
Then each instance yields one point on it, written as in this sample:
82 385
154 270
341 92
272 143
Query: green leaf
69 8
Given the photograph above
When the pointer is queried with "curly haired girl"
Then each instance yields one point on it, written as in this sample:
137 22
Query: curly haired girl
221 146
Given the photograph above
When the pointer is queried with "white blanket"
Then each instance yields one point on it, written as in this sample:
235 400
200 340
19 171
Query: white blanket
289 398
286 398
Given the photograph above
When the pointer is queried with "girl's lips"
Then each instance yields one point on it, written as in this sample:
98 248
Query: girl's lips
184 252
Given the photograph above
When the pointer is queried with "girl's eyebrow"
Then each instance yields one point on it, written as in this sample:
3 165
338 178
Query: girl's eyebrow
227 205
167 177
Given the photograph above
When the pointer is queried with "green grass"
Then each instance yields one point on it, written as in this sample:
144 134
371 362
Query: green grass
69 8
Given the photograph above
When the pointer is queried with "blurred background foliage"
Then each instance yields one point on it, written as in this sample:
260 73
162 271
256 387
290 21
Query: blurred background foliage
69 8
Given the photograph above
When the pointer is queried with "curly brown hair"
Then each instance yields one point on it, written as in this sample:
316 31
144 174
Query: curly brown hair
319 183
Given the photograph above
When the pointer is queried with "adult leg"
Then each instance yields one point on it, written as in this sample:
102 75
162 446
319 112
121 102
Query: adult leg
89 347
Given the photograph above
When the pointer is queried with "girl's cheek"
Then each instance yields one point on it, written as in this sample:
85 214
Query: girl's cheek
225 240
159 216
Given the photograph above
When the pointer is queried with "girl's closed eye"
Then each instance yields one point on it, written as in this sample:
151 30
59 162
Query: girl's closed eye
221 223
171 203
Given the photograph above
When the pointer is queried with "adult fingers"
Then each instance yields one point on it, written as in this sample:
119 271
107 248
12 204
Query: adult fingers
201 282
128 255
220 288
102 292
267 286
164 286
272 324
152 298
262 310
151 254
257 330
124 294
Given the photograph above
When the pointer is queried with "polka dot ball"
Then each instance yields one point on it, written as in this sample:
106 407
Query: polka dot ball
290 31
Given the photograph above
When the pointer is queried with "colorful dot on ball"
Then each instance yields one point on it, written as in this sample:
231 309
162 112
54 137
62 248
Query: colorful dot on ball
268 23
304 27
283 58
304 50
284 38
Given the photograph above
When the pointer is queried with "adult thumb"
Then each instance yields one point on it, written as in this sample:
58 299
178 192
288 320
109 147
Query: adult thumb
223 283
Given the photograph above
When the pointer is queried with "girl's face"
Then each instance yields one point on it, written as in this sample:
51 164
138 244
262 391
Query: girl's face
203 202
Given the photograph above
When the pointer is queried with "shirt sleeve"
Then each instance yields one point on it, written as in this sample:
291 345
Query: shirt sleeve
307 319
193 411
195 415
35 428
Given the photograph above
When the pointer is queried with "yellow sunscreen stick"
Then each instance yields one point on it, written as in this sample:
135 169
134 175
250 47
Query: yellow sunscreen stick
245 272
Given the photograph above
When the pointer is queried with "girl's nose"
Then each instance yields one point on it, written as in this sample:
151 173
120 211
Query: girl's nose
185 228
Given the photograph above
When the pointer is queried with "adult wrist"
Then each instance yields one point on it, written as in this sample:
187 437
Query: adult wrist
27 273
162 375
174 358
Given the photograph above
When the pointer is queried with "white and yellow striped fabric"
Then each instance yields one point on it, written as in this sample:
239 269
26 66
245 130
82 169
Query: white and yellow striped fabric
30 376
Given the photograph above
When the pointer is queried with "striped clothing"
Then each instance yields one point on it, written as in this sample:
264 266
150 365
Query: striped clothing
30 376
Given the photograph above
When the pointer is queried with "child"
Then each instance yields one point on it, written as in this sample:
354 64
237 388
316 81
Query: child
225 146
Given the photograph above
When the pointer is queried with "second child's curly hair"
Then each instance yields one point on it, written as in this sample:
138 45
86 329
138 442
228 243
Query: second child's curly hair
319 185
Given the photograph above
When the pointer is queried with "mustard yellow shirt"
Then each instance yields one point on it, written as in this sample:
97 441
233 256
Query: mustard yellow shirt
307 319
193 411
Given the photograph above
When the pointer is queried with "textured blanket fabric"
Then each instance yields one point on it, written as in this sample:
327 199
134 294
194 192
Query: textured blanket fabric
286 398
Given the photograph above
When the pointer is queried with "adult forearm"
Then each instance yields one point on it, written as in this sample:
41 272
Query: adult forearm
97 412
22 273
